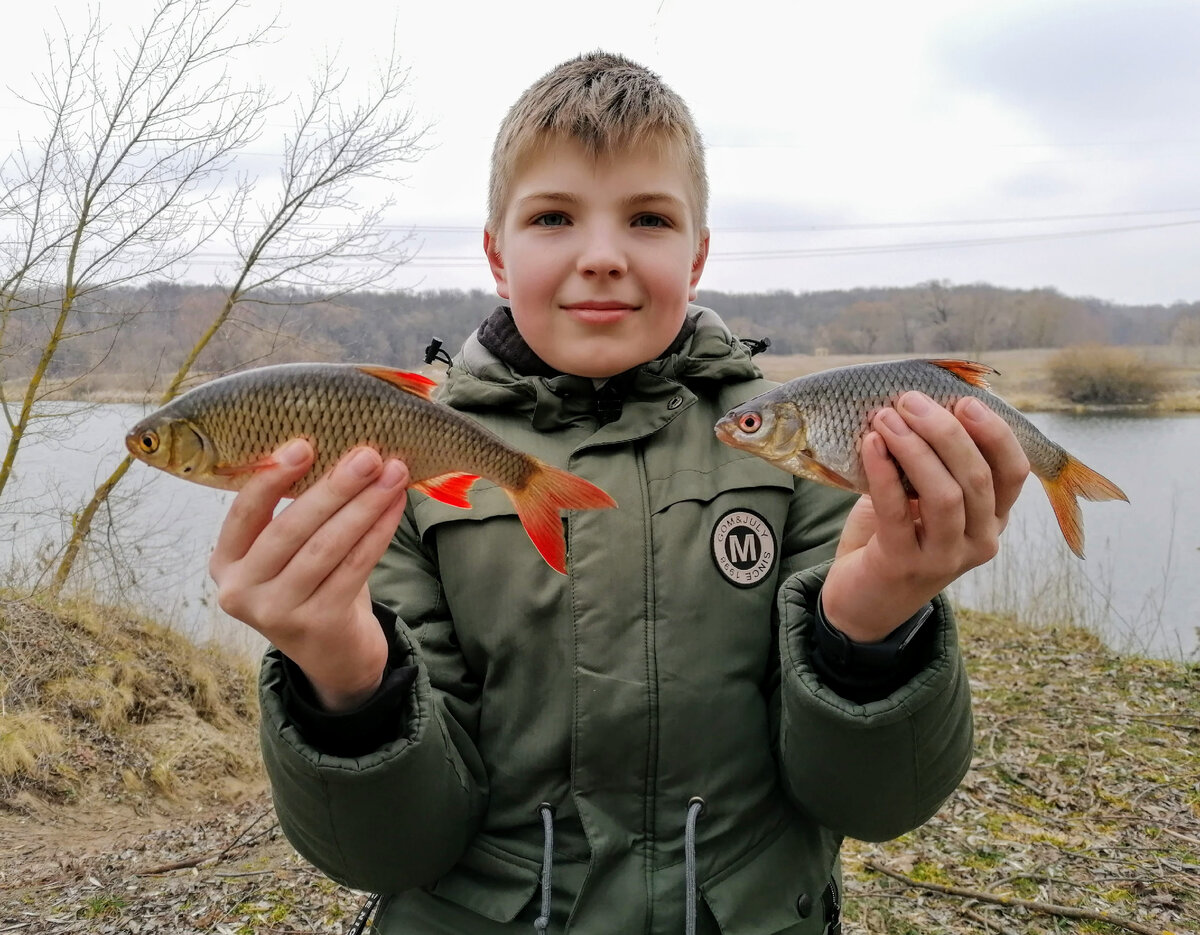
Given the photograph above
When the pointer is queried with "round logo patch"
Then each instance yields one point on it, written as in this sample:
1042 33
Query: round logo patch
743 547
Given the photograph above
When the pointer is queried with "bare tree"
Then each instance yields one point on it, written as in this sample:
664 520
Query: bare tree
122 184
310 237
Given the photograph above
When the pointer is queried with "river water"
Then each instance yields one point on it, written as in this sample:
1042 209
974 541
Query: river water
1139 587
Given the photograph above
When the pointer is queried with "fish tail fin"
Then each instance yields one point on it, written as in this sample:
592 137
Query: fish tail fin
1076 480
549 490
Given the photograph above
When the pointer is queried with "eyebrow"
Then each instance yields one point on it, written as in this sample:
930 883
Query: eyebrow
642 198
654 198
565 197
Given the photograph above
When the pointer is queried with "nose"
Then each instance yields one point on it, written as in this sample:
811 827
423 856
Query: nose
602 256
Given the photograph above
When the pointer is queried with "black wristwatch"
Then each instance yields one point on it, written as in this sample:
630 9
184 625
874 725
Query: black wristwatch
886 654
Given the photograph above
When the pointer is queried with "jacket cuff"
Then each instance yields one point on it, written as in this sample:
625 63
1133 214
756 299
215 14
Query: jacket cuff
377 721
866 672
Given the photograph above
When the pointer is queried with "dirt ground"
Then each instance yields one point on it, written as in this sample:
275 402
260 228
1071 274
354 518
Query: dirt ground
1082 805
177 867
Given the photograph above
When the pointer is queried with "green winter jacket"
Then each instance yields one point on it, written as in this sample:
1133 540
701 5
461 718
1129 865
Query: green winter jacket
670 665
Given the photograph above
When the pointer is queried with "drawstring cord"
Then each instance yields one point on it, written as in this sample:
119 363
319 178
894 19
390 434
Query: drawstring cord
364 915
546 811
694 811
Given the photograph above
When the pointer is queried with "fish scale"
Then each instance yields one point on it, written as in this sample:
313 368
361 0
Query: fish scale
814 427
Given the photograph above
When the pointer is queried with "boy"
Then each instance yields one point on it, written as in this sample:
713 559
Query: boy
675 735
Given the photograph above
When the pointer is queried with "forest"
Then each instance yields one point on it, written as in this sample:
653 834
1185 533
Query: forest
132 338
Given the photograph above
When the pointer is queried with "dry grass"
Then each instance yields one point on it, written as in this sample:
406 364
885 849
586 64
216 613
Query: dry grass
95 702
1084 792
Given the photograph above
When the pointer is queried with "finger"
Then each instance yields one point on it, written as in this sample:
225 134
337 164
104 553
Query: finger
347 546
961 457
254 506
889 501
296 527
940 498
1000 447
347 579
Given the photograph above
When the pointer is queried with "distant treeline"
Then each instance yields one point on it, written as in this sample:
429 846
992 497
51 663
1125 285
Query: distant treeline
133 337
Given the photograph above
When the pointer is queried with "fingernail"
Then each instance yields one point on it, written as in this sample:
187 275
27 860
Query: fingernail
916 403
391 476
974 410
294 453
363 463
892 421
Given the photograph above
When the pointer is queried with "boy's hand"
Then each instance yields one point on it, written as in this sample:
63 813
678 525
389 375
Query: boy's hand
895 554
300 578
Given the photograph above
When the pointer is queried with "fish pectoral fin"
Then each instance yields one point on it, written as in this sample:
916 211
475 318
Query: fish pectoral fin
832 478
803 465
233 470
450 489
414 383
968 371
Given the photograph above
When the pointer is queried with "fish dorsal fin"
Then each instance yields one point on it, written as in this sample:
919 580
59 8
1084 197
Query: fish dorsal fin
968 371
413 383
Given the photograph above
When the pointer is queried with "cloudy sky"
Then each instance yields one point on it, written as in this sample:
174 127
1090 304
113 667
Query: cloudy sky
1026 144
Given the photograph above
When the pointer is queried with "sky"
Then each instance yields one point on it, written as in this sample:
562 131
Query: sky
1052 143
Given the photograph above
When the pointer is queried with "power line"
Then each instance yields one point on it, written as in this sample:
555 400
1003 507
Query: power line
803 228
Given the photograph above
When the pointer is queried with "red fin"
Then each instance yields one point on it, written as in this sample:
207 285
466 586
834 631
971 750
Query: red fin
968 371
824 475
1076 479
233 470
450 489
413 383
549 490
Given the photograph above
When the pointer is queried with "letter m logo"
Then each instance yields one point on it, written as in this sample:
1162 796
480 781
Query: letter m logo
743 550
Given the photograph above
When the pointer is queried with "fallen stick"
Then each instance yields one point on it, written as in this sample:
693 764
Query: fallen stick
1066 912
988 924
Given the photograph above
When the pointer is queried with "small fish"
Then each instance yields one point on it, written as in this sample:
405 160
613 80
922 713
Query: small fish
814 426
221 432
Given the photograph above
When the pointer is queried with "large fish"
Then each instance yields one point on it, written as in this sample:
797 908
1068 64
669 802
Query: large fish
221 432
814 426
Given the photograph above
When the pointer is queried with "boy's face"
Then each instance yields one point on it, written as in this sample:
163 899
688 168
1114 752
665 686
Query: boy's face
598 257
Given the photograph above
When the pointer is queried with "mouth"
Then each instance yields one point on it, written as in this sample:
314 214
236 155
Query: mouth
598 312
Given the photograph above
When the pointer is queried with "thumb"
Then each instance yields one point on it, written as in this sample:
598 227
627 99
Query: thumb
859 527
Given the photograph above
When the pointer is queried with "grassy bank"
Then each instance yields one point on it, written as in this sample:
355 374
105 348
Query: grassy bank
1023 378
146 807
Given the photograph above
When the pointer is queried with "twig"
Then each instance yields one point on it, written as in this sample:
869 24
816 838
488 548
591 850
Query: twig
232 844
175 865
1066 912
988 924
243 873
215 857
13 928
1182 837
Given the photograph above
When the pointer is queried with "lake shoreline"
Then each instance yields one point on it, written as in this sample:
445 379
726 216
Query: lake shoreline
1020 379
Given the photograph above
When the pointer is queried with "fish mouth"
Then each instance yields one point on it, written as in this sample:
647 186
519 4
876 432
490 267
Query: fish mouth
725 432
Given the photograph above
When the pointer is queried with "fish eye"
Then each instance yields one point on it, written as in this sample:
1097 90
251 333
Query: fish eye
148 442
750 422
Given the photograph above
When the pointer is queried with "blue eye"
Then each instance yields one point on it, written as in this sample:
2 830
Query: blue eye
650 220
551 219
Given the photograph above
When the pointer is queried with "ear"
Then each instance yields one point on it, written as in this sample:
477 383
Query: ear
491 249
698 265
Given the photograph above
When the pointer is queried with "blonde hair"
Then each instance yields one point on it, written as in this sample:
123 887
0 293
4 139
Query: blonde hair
607 103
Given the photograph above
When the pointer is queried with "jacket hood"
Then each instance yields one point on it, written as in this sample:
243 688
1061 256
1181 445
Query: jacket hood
478 380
